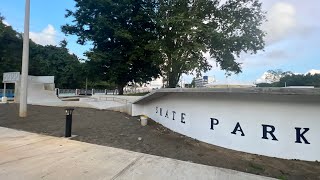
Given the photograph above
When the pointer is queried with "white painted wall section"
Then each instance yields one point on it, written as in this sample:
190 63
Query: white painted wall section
243 122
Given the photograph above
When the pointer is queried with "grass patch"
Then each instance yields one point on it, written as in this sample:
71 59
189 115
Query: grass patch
256 168
283 177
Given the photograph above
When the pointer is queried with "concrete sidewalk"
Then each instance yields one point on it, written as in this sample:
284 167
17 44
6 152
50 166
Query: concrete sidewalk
25 155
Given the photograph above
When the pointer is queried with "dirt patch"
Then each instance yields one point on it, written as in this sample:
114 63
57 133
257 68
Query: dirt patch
122 131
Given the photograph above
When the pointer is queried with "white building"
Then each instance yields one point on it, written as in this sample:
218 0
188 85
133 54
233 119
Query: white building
204 81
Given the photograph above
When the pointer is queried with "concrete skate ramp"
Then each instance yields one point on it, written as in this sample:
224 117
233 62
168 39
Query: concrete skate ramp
38 95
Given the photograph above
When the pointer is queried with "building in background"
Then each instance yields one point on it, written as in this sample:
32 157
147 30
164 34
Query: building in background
204 81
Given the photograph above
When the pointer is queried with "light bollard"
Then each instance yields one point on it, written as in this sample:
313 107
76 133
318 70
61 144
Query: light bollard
57 90
68 122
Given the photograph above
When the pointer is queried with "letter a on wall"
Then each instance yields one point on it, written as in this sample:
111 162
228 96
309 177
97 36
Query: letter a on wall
237 128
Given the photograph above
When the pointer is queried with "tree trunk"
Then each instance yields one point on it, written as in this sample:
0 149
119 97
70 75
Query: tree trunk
173 80
120 89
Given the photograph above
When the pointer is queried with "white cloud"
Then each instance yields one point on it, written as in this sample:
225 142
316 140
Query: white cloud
277 54
5 23
281 21
313 72
289 20
263 78
46 37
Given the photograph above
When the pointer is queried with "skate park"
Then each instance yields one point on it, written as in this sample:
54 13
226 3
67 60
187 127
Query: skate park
42 91
209 122
282 111
159 90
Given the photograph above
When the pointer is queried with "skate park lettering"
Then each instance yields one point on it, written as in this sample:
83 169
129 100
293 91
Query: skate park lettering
172 114
268 132
277 123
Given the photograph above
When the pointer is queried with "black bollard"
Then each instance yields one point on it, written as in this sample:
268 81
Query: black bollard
68 122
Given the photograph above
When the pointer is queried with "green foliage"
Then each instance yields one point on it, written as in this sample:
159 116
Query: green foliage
103 85
135 39
123 35
190 28
264 85
275 75
56 61
193 82
43 61
10 49
255 168
290 79
300 80
191 85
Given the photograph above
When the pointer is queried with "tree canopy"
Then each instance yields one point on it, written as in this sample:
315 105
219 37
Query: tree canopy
136 40
10 49
56 61
190 28
44 60
122 33
291 79
275 75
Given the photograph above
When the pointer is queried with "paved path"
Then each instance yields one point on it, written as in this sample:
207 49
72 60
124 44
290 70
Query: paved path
25 155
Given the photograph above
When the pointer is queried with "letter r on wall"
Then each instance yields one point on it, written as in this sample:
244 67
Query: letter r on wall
268 129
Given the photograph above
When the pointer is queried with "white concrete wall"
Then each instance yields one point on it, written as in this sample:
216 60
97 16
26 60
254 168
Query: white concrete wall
251 111
41 79
40 88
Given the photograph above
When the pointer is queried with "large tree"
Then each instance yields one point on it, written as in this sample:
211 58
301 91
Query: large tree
56 61
275 75
10 49
44 60
122 33
190 28
291 79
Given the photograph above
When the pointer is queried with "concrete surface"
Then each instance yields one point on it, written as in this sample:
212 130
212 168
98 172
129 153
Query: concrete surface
37 95
256 90
130 99
25 155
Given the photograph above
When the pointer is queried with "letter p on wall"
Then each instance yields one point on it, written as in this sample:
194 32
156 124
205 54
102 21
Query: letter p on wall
214 122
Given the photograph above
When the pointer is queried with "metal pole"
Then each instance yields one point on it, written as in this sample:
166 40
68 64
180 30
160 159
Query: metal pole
25 63
68 125
4 89
86 85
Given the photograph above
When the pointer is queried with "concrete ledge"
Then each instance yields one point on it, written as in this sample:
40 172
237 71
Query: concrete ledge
271 91
124 109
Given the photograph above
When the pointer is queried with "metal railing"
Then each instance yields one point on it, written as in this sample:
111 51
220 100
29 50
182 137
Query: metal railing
88 92
9 92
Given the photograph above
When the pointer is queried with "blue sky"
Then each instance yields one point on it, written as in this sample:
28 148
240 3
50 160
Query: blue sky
46 18
292 43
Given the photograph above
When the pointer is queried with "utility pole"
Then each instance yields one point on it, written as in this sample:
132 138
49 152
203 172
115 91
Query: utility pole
86 86
25 63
